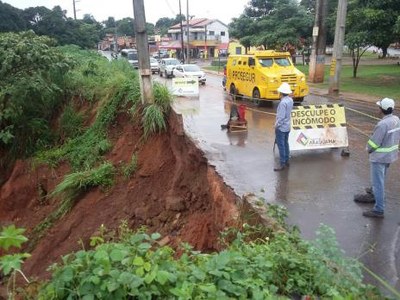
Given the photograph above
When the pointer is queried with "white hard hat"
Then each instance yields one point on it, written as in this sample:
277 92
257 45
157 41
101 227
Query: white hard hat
386 103
285 88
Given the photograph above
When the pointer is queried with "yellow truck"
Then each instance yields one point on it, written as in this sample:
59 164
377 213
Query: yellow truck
258 75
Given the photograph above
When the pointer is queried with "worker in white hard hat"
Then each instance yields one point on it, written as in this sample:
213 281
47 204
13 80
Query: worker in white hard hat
383 149
282 125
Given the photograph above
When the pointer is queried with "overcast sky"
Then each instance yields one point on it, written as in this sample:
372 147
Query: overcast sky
223 10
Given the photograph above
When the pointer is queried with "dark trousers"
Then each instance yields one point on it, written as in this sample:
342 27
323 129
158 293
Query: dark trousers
282 140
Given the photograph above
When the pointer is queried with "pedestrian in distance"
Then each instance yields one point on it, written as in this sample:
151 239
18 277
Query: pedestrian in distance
383 149
282 125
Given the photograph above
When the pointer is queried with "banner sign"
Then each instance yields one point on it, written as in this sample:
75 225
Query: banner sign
318 126
185 86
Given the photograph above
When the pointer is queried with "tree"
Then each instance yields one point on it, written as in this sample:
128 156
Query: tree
11 19
397 26
272 24
126 27
45 21
243 28
358 44
110 23
163 24
379 20
30 86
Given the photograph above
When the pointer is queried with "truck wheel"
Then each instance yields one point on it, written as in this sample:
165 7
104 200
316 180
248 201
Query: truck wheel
166 74
256 97
160 73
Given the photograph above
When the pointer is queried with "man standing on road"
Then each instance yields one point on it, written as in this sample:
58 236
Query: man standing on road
383 148
283 124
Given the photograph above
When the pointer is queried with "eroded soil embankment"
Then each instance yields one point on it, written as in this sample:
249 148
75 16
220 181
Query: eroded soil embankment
174 192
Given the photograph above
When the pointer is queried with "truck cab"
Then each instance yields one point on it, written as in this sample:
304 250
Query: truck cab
258 75
130 55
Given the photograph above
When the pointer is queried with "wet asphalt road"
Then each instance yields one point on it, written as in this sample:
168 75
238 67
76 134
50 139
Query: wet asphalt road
318 187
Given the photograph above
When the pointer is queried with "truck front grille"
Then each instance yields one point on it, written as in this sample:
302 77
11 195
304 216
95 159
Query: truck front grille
290 78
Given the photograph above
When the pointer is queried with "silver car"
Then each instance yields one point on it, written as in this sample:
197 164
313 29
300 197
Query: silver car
190 70
167 65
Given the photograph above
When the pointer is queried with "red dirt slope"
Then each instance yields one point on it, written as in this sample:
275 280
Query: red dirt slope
174 192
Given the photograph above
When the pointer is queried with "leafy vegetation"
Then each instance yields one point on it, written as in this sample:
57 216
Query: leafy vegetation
10 264
274 266
261 24
52 23
30 90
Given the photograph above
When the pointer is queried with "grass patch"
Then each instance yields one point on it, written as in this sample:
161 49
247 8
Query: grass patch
131 167
154 115
86 150
219 69
376 80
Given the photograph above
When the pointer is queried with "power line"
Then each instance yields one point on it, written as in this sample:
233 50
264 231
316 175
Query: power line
170 8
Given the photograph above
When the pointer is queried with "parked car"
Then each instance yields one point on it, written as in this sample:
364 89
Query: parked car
131 55
190 70
167 65
154 66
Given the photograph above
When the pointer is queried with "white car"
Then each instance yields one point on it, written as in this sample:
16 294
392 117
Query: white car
190 70
154 65
167 65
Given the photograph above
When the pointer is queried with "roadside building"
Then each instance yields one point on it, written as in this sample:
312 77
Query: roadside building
208 38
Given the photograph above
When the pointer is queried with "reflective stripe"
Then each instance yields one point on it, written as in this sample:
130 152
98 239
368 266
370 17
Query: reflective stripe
394 130
388 149
372 144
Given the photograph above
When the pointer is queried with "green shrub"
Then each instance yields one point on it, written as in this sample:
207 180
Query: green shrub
31 81
135 266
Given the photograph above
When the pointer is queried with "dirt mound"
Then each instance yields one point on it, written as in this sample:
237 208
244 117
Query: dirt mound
174 192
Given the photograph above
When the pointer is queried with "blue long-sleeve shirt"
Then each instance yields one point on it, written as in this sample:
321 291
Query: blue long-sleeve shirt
383 145
283 114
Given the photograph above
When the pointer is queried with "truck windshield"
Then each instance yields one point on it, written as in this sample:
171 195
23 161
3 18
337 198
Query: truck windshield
265 62
132 56
280 61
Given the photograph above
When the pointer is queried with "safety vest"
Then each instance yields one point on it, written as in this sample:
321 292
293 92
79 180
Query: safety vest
383 145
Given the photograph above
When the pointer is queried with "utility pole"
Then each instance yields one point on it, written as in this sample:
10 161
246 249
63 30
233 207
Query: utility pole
317 59
187 32
142 45
336 64
182 44
73 3
205 42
